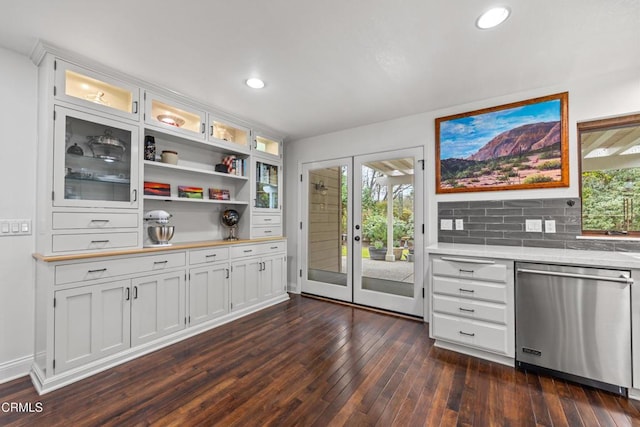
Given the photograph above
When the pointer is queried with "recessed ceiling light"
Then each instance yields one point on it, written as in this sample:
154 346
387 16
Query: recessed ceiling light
632 150
601 152
492 17
255 83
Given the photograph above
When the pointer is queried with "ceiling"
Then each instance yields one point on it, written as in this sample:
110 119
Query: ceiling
335 64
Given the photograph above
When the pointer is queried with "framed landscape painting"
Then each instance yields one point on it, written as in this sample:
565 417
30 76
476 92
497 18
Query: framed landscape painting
516 146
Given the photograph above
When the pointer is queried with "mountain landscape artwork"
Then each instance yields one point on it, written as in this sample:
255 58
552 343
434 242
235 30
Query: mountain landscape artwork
515 146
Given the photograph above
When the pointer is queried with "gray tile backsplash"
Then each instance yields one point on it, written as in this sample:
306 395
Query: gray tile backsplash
502 222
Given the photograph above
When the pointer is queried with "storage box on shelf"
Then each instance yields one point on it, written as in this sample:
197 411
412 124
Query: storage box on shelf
473 306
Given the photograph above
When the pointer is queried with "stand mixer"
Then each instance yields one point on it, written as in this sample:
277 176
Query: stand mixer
161 233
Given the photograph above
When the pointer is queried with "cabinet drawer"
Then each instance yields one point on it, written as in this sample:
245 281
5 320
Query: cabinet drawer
202 256
487 336
82 220
104 269
245 251
272 248
93 241
470 289
274 231
464 307
265 220
478 269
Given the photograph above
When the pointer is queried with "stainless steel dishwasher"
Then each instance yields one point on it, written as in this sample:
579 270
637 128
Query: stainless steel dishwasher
575 322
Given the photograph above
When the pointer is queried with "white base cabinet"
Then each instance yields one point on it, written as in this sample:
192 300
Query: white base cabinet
91 322
157 306
92 314
472 301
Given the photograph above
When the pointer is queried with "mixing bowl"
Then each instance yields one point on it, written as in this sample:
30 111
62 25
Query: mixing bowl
160 234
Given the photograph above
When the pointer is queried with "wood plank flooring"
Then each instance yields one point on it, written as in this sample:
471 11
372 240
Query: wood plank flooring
308 362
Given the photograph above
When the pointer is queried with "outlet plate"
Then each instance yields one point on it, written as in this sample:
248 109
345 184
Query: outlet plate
446 224
459 224
549 226
533 225
15 227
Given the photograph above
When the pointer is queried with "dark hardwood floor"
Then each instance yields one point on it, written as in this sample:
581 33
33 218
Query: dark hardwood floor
315 363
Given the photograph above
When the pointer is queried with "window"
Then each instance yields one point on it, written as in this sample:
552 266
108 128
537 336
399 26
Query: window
610 175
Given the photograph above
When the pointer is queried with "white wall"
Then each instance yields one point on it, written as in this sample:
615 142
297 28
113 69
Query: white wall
603 96
18 121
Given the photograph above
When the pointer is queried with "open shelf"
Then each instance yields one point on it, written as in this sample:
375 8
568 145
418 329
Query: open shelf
188 200
169 136
194 170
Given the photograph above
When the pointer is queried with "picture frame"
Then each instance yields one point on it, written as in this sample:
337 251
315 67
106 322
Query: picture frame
516 146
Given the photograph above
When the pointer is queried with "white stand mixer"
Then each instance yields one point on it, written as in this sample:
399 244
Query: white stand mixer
161 233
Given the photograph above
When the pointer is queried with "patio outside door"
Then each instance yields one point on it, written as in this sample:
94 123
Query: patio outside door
362 230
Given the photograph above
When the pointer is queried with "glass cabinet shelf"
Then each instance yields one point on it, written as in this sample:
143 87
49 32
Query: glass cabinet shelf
231 135
171 115
268 146
81 86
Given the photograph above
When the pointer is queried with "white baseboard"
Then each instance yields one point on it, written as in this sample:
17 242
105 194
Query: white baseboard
15 368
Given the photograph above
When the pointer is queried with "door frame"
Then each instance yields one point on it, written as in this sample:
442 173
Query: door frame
419 225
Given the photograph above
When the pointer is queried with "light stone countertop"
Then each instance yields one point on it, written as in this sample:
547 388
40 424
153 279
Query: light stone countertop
524 253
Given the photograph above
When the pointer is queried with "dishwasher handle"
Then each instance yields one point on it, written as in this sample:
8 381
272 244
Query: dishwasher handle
621 279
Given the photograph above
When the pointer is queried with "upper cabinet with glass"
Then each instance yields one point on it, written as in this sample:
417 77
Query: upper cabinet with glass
268 146
610 175
225 133
94 90
174 116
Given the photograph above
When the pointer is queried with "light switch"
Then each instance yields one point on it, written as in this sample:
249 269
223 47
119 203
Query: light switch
15 227
5 227
24 227
459 224
446 224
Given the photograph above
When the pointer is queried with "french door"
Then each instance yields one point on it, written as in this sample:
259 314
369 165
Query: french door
362 230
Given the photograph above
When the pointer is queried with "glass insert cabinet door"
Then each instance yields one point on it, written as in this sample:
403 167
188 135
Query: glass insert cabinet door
225 133
168 114
267 185
96 91
95 161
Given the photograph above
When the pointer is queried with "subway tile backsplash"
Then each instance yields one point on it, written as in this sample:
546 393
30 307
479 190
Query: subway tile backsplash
502 222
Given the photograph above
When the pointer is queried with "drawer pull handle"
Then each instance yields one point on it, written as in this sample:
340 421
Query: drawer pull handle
466 290
99 241
160 262
468 310
247 251
267 231
466 271
99 220
467 334
209 256
266 219
100 270
274 247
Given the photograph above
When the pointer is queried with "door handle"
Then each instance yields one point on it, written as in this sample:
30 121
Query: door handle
357 238
135 292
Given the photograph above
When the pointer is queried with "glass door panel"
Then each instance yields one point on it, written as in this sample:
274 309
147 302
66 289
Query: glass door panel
231 135
388 198
95 161
93 90
327 241
173 116
268 146
267 186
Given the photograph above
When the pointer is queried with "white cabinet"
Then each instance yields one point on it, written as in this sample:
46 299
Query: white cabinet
174 116
97 91
95 161
157 306
267 146
225 133
266 190
258 273
473 306
208 292
91 322
245 283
